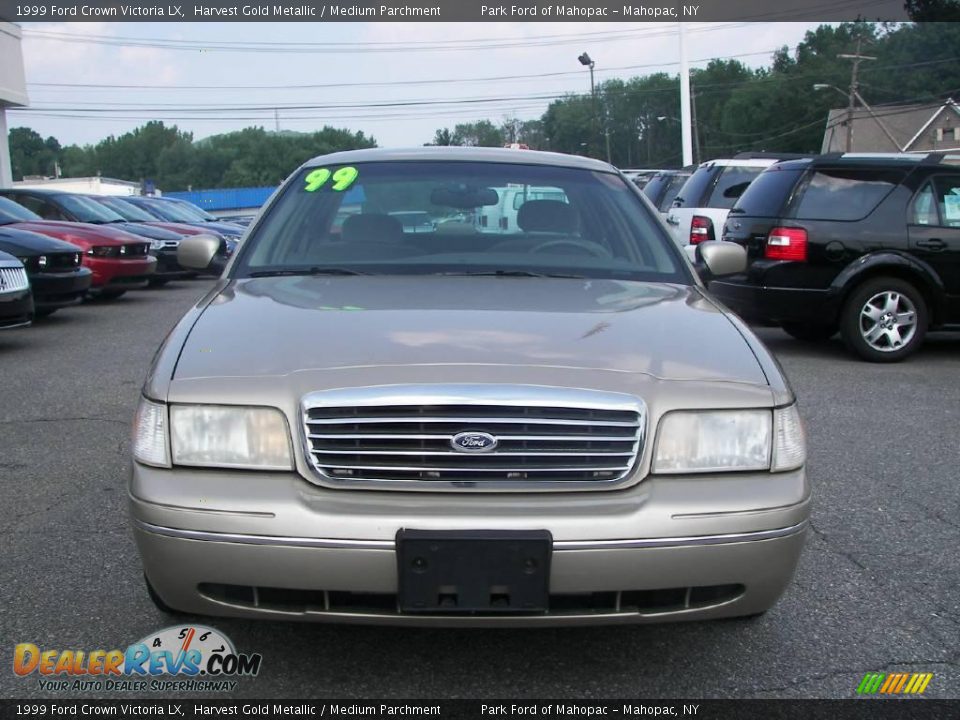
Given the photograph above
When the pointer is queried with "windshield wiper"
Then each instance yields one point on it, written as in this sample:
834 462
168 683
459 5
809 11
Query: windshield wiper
509 273
737 211
307 271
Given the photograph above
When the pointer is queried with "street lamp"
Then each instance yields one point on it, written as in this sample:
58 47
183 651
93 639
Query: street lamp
587 61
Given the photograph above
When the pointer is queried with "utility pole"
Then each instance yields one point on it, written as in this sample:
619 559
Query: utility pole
854 86
696 131
276 118
685 137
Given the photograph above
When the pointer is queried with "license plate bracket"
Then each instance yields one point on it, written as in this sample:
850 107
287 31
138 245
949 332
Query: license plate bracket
474 571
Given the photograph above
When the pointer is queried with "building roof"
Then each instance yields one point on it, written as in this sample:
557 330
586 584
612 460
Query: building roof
905 123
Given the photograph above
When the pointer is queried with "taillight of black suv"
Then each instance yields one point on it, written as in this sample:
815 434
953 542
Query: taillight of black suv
864 245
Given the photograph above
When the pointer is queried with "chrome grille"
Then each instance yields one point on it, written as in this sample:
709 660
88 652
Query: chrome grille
399 434
13 279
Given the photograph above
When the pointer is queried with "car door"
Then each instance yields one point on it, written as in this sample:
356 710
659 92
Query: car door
934 227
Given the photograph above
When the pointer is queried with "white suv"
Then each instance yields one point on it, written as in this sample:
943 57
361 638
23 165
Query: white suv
700 208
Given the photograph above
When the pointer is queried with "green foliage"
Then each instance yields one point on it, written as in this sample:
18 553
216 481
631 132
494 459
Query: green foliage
933 10
30 154
174 161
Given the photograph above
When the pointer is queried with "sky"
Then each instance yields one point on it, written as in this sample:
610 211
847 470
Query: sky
358 63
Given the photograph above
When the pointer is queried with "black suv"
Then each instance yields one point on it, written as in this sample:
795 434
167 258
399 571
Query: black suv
867 245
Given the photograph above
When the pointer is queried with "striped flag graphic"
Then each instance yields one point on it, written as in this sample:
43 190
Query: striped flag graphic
894 683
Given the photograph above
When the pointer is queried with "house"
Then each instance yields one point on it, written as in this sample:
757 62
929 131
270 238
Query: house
13 90
895 128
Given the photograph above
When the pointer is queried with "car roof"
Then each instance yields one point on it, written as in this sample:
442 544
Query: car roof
461 154
739 162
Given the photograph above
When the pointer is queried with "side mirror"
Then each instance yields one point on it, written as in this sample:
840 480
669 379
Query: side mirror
197 252
718 258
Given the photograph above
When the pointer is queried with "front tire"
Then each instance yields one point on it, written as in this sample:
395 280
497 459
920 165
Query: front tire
884 320
809 332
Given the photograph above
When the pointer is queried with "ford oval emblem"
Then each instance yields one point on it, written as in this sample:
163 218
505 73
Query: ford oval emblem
473 442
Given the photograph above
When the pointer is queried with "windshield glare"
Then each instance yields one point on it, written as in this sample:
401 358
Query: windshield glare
87 210
11 211
472 217
168 211
126 210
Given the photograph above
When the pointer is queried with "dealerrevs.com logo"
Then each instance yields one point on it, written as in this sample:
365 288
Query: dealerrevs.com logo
179 658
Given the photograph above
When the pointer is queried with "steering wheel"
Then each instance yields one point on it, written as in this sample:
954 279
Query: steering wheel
592 248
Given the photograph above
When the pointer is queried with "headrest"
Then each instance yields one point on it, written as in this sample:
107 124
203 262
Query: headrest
547 216
372 228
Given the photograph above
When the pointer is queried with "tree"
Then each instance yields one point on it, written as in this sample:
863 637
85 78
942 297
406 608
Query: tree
30 154
933 10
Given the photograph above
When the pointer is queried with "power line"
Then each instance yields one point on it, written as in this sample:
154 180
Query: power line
363 47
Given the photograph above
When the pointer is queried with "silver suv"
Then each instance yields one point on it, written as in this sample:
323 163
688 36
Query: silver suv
550 423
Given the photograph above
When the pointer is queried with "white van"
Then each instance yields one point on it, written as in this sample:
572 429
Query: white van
502 217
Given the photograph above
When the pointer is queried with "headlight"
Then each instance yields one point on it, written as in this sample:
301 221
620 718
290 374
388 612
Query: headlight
721 440
156 244
228 436
42 261
150 434
730 441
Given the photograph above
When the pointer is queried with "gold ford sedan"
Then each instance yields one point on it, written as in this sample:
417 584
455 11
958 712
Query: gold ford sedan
530 414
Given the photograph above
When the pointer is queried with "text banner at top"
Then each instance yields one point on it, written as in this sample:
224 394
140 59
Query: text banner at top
450 11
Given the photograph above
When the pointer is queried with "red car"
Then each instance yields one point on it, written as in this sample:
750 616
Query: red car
118 260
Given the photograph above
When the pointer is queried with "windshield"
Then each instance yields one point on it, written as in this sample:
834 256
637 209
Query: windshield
14 212
126 210
570 222
193 210
87 210
166 211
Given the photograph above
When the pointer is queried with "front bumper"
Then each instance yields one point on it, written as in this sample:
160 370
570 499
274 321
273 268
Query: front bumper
116 274
16 309
167 266
57 290
768 304
272 545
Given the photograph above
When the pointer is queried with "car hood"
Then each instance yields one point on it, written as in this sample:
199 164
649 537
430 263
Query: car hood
279 326
146 230
179 228
26 243
102 234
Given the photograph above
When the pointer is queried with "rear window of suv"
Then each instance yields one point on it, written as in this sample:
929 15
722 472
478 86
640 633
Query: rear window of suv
767 194
696 186
733 182
846 194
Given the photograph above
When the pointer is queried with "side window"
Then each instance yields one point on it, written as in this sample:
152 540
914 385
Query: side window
948 199
841 194
924 208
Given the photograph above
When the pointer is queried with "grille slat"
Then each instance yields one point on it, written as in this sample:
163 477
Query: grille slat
13 279
376 440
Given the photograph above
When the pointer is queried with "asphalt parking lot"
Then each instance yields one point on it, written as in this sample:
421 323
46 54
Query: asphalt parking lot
877 588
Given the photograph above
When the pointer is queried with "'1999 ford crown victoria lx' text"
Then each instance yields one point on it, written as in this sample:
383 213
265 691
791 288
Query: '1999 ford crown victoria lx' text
521 420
